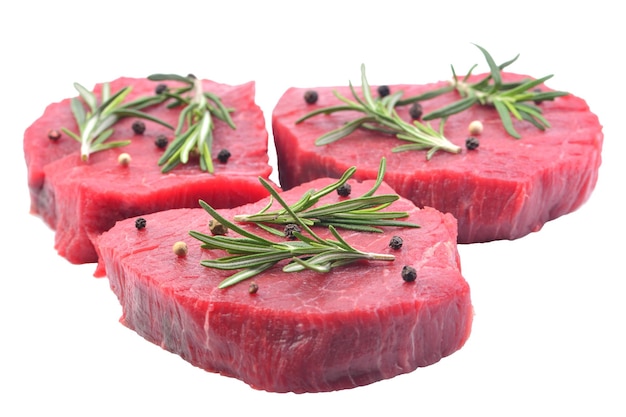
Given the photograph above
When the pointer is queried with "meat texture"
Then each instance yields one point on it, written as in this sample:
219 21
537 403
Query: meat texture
504 189
81 199
301 331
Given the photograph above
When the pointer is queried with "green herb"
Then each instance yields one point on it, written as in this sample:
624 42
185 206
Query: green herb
511 100
95 123
362 213
194 132
380 114
253 254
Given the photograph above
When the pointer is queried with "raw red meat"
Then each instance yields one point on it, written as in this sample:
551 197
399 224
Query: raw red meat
304 331
80 199
505 189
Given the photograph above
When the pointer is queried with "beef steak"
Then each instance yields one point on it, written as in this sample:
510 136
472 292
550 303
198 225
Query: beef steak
81 199
504 189
301 331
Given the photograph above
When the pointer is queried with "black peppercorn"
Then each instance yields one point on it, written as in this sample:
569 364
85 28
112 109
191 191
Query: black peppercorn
344 190
409 274
395 242
416 111
310 97
383 91
290 229
471 143
54 135
223 156
140 223
161 141
139 127
253 288
160 89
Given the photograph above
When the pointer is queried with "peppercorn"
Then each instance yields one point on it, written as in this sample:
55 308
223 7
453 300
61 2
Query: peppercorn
124 159
383 91
475 127
160 89
180 248
139 127
161 141
223 156
310 96
140 223
253 288
290 229
395 242
54 135
471 143
344 190
416 110
409 274
217 228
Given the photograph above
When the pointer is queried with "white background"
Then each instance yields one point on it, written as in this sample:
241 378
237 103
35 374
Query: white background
548 335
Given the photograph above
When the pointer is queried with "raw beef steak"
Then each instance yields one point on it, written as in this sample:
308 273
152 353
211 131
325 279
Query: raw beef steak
301 331
81 199
504 189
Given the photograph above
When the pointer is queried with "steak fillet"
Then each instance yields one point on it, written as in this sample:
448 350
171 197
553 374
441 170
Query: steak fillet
80 199
302 331
504 189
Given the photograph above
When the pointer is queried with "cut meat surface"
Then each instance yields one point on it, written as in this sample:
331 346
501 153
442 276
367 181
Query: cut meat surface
80 199
505 189
301 331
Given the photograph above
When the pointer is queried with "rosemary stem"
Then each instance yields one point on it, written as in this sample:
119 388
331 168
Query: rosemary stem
86 136
198 94
379 256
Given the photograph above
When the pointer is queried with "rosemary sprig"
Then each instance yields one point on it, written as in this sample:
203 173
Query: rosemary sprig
194 132
511 100
380 114
253 254
362 213
95 123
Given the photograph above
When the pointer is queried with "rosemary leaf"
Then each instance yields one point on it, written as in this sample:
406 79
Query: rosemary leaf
351 206
221 111
324 111
380 176
493 67
79 112
505 117
247 260
532 115
244 275
452 108
409 147
89 98
426 96
342 132
171 77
